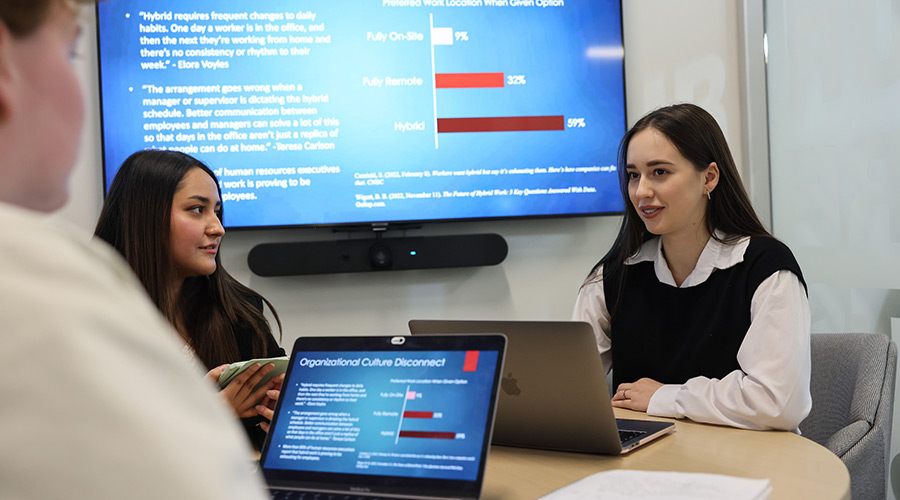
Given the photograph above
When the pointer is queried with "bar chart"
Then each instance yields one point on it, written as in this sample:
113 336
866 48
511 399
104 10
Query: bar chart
444 36
423 420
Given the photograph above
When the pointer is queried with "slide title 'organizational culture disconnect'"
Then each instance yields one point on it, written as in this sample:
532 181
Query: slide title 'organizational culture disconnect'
380 362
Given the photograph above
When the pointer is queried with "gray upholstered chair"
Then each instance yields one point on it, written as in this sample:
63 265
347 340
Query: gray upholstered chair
852 405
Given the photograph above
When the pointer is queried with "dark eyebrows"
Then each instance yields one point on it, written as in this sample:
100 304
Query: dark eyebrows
650 164
204 200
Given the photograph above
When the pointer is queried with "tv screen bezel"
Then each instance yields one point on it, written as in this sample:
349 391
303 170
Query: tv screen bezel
374 224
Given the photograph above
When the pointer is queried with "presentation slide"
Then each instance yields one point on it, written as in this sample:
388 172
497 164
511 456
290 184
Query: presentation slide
326 112
411 414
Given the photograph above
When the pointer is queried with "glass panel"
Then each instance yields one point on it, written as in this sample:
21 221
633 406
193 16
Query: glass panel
834 126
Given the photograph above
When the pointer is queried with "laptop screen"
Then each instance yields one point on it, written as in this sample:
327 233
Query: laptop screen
399 414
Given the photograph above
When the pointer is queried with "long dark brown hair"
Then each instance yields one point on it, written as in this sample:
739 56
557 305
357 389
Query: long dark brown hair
697 136
136 220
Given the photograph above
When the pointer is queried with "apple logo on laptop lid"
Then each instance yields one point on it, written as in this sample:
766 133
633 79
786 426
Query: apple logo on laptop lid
510 385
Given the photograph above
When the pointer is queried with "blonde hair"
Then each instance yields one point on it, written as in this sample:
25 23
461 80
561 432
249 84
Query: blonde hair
22 17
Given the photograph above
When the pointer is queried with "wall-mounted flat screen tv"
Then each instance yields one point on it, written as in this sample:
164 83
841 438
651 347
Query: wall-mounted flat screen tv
353 112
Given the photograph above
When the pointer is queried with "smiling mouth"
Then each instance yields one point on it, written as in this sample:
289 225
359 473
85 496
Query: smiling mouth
650 211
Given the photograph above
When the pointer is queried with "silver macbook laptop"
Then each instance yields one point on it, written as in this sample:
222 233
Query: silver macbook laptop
377 417
554 393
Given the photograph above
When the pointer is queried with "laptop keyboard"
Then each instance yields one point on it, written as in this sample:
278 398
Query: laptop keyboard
309 495
626 435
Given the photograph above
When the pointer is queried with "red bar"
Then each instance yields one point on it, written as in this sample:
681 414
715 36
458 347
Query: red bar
501 124
418 414
471 362
467 80
428 434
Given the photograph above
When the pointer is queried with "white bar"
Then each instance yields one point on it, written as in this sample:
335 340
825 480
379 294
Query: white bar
441 36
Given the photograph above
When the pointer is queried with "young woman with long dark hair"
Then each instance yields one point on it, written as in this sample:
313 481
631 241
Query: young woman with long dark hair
699 312
164 215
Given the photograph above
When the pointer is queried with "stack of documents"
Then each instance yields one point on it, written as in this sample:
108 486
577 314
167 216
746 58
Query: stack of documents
647 485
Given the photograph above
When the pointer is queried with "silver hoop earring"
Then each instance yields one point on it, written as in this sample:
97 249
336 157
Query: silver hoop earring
708 196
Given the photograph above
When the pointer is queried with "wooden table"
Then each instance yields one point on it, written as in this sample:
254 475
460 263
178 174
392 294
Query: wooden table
796 467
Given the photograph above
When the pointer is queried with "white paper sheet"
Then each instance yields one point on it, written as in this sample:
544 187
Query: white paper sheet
647 485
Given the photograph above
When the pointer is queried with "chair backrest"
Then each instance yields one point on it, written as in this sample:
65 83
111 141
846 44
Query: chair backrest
852 386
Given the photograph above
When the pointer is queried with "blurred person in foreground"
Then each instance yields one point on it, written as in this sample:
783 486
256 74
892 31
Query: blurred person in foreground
99 403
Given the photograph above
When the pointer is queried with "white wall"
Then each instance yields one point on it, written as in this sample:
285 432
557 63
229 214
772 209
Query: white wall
675 51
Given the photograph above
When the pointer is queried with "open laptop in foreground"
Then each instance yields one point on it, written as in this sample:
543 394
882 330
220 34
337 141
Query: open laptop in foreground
376 417
554 392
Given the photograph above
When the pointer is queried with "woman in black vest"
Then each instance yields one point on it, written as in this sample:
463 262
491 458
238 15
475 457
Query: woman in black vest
699 312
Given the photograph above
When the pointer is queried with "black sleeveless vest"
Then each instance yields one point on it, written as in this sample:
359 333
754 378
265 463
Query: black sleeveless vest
673 334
